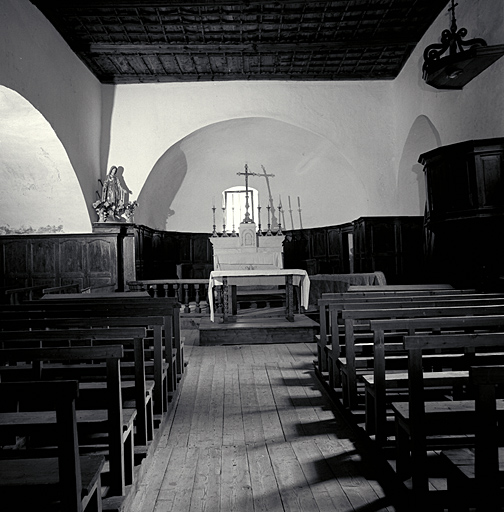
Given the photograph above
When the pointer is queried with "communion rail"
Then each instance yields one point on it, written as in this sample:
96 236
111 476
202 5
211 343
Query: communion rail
191 293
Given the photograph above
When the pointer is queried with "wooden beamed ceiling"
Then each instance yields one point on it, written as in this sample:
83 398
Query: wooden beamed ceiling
143 41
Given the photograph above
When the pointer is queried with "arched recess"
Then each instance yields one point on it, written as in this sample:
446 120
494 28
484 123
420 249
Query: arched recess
40 192
422 137
309 171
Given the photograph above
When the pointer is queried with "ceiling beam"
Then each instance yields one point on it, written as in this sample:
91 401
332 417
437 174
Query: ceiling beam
80 4
237 48
211 77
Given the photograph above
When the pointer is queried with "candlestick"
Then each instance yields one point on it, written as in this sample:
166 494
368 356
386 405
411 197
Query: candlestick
290 212
279 232
233 233
214 233
259 232
269 233
224 222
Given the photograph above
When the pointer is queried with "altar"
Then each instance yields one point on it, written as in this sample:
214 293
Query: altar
289 277
248 250
251 257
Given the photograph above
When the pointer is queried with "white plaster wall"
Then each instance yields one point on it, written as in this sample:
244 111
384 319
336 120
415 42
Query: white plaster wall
36 63
40 192
330 143
427 118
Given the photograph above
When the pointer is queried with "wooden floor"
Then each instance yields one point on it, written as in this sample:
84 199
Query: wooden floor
254 432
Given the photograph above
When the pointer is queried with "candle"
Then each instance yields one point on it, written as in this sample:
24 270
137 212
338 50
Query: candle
213 201
290 207
279 201
299 203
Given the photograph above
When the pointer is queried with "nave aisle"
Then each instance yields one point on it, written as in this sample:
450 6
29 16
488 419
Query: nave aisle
253 432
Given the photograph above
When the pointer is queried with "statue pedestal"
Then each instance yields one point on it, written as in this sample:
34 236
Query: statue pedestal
247 251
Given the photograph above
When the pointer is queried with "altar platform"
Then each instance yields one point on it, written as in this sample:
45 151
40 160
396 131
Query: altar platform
258 326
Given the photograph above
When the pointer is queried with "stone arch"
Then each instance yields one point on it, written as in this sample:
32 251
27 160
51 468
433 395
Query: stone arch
308 168
40 192
422 136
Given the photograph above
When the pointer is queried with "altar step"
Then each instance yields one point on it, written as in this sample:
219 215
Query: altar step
257 329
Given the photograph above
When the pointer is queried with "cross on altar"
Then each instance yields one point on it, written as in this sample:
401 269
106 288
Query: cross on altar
247 174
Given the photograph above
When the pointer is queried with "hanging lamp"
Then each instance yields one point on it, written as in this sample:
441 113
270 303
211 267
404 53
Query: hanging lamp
465 59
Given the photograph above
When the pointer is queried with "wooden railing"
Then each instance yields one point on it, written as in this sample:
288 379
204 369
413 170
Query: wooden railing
192 294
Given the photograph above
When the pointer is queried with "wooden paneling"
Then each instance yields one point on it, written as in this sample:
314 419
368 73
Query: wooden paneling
392 245
53 260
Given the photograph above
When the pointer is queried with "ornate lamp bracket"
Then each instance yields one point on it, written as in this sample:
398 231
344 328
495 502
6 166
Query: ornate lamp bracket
451 39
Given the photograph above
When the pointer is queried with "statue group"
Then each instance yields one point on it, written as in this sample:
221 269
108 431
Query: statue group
114 203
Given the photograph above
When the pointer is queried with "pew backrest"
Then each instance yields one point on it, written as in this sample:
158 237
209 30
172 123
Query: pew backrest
61 396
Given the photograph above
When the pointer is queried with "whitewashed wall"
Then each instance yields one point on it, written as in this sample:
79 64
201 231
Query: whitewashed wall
181 144
64 98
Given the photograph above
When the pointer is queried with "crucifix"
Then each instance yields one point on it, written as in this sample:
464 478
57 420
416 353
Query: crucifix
247 174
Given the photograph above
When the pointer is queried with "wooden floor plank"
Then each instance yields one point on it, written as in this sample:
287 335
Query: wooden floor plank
265 491
326 489
233 428
200 434
352 474
177 487
294 488
236 487
271 425
206 494
251 411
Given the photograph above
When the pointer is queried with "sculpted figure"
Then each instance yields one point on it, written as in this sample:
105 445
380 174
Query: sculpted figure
112 190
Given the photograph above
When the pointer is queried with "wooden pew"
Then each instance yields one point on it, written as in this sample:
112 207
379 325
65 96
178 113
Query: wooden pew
160 387
115 421
359 319
399 287
327 320
380 384
121 335
413 421
475 475
125 303
72 480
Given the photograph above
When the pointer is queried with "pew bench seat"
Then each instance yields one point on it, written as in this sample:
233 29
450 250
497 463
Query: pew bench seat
447 424
39 427
40 477
460 465
436 383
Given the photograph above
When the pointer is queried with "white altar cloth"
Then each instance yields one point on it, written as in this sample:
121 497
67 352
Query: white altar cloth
260 278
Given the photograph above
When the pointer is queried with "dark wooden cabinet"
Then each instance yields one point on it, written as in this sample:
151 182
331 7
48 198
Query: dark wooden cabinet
464 216
392 245
464 181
